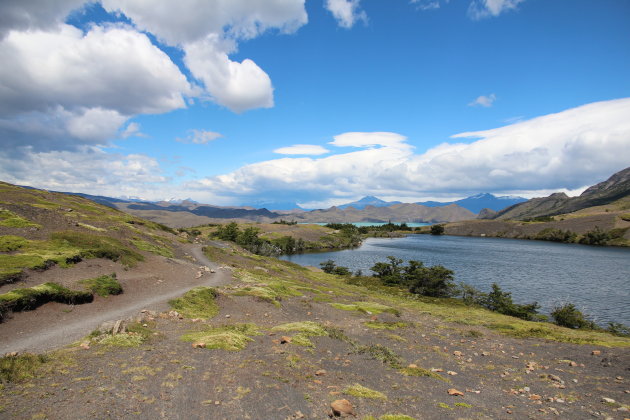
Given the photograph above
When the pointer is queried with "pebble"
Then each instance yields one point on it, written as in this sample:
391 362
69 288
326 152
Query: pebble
608 400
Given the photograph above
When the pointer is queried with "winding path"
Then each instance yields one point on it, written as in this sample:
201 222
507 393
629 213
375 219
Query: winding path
49 328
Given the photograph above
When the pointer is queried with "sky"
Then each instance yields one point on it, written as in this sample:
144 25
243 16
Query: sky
315 102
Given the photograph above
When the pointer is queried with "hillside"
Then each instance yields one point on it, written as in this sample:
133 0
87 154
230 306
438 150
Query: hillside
478 202
614 188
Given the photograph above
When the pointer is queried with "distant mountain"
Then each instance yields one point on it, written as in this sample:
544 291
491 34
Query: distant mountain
614 188
274 205
478 202
368 201
208 211
396 213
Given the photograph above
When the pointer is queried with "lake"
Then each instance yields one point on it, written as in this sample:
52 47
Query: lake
595 279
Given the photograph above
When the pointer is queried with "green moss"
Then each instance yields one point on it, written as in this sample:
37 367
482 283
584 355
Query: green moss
10 219
197 303
463 405
103 285
445 406
418 371
152 248
97 246
9 243
358 390
366 307
33 297
380 325
128 339
227 337
18 368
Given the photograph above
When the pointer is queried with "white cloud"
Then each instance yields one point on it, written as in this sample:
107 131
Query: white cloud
427 4
302 149
82 87
23 15
480 9
347 12
132 130
199 137
568 150
208 31
485 101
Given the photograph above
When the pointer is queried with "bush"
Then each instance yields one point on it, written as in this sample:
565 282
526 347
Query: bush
330 268
595 237
499 301
556 235
437 229
569 316
436 281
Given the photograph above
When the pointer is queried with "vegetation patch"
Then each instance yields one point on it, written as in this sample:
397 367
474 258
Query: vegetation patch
305 330
358 390
385 325
382 353
32 297
396 417
418 371
366 307
199 302
10 219
9 243
103 285
128 339
152 248
228 337
20 367
98 246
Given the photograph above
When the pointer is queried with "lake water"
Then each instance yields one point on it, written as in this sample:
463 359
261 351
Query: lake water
368 224
595 279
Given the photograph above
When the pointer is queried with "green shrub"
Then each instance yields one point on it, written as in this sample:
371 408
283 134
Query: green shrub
595 237
103 285
569 316
33 297
437 230
556 235
499 301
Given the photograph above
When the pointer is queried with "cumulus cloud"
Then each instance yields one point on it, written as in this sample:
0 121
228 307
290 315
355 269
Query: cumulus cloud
132 130
347 12
480 9
75 88
208 32
199 137
484 101
568 150
23 15
427 4
302 149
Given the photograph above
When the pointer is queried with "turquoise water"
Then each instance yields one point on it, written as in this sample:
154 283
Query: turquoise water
595 279
362 224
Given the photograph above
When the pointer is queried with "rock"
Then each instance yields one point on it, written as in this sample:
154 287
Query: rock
608 400
437 370
285 339
228 316
450 372
535 397
11 354
320 372
212 271
454 392
119 327
85 345
572 363
413 366
457 353
596 352
342 408
555 378
198 345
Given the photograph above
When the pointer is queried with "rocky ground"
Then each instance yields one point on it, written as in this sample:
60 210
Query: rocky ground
310 339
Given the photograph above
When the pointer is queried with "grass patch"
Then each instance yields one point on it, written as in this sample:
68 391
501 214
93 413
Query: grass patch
366 308
98 246
128 339
228 337
9 243
152 248
32 297
197 303
10 219
381 325
382 353
305 330
103 285
418 371
358 390
21 367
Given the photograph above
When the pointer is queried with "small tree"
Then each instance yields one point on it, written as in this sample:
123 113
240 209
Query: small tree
328 266
389 273
595 237
437 229
569 316
436 281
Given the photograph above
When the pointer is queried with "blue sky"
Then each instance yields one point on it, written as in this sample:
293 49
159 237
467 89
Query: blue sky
317 102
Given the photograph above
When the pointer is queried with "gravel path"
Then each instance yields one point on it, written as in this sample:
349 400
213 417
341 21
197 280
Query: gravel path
54 325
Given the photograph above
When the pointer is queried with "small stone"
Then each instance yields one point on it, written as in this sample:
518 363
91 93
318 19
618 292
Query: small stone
560 400
198 345
508 411
454 392
457 353
608 400
228 316
623 408
342 408
596 352
450 372
526 389
320 372
217 403
437 370
485 353
85 345
555 378
413 366
619 378
534 397
574 380
285 339
572 363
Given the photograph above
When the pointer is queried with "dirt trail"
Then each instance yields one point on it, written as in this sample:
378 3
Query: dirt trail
54 325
